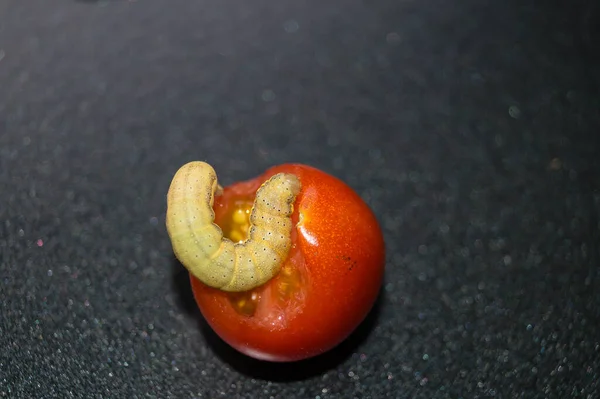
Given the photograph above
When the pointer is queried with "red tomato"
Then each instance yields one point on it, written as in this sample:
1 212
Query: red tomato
327 285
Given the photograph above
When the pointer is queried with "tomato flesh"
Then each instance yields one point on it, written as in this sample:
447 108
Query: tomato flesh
325 288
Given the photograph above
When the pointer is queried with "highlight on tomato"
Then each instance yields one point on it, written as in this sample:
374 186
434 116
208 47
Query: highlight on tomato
328 269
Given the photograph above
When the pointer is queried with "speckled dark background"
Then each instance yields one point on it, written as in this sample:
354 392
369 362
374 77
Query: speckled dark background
471 128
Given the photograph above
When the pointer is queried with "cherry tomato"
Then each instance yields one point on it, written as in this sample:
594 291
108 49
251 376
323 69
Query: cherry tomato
325 288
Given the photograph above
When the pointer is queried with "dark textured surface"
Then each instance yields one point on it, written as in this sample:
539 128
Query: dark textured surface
471 128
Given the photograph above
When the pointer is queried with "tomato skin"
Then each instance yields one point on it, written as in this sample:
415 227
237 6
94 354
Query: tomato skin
339 250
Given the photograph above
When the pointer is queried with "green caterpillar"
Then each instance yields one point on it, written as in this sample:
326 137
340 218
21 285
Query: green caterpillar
199 244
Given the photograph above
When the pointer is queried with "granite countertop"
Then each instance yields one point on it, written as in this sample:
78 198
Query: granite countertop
470 128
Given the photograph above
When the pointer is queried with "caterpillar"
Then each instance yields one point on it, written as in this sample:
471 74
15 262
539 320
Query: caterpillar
199 244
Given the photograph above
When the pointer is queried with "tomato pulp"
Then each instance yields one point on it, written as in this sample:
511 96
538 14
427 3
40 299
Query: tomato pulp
325 288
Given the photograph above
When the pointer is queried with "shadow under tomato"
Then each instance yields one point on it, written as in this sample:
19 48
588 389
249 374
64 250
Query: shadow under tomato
281 372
